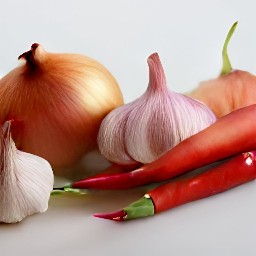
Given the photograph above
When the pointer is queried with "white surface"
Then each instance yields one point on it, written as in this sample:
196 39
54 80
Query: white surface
188 35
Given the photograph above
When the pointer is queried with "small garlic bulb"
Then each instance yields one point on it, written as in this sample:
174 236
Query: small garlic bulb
26 181
148 127
58 101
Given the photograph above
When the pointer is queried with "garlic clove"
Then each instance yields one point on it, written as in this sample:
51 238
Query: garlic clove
111 137
26 181
146 128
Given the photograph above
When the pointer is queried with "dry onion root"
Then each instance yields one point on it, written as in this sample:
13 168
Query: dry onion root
58 102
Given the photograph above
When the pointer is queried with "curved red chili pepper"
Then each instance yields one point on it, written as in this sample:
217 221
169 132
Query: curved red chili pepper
232 134
235 171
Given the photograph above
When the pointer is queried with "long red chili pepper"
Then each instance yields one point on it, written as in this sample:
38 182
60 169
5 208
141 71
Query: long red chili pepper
233 172
232 134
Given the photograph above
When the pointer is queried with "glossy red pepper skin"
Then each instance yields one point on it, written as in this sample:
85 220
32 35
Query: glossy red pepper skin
236 171
232 134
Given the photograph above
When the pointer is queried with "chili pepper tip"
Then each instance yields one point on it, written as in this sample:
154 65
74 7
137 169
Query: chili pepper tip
117 216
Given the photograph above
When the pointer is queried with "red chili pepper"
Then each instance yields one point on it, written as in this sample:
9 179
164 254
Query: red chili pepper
235 171
232 134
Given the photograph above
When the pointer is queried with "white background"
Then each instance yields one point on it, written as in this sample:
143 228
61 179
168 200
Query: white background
188 35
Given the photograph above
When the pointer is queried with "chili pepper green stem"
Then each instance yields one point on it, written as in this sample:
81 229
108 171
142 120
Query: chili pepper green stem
67 189
144 207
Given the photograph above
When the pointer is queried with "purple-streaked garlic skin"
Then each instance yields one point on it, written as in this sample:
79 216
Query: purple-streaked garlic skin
148 127
111 137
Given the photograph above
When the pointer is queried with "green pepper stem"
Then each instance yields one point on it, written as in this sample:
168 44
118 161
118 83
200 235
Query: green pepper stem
144 207
67 189
226 65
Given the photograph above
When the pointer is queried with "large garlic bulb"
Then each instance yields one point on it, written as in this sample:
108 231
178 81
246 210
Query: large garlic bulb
58 102
148 127
26 181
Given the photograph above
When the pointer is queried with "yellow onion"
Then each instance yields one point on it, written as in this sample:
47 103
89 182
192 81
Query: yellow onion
57 102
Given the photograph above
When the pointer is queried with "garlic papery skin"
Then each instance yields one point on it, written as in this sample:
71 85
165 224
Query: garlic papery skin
148 127
58 101
26 181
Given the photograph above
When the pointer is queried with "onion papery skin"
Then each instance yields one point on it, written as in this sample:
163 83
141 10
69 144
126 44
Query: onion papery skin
57 102
227 93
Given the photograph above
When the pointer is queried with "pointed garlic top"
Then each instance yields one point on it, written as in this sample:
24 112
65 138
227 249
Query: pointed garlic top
148 127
